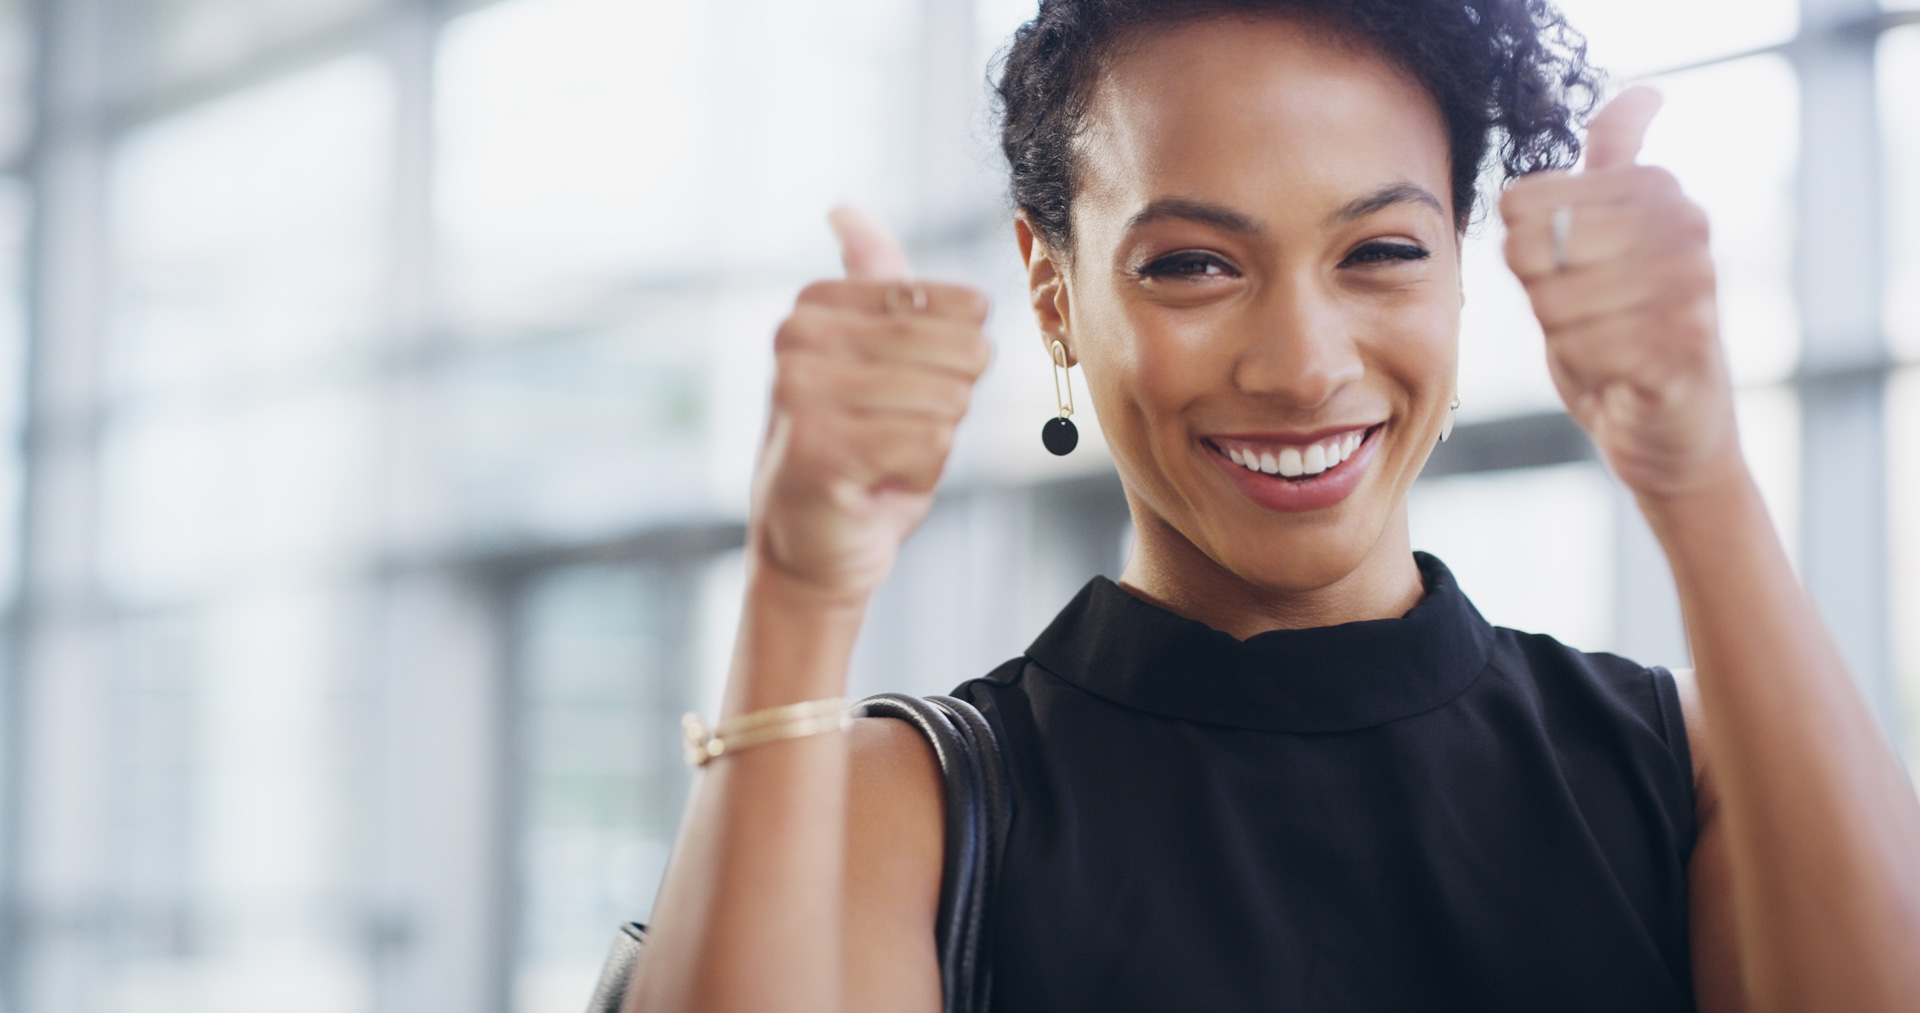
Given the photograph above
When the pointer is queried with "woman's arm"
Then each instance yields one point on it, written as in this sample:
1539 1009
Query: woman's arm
1807 871
747 917
871 377
1806 874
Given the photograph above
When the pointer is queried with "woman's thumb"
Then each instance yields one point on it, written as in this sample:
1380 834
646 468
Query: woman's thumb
1614 136
867 250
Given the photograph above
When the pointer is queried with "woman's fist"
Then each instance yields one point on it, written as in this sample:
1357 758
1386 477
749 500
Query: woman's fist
1616 262
871 376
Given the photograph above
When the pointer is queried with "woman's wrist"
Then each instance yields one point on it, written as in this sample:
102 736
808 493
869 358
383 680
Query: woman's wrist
1722 526
774 586
795 642
1718 493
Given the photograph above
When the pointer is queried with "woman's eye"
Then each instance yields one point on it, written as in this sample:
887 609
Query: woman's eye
1186 265
1385 253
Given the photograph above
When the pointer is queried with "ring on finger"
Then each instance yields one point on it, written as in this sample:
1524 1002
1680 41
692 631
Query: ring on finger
906 297
1562 235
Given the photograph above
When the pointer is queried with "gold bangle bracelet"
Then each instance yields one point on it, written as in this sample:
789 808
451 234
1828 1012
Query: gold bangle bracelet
790 721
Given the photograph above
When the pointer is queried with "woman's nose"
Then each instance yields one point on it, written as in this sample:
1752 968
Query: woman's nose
1298 348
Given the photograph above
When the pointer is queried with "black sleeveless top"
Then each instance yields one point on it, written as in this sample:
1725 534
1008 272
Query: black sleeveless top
1423 813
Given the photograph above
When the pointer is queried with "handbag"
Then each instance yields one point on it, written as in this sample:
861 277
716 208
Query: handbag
978 812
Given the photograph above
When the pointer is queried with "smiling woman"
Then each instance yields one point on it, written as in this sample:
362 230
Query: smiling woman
1283 762
1267 216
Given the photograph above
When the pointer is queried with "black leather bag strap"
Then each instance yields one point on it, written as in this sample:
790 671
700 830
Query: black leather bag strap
978 813
617 972
977 816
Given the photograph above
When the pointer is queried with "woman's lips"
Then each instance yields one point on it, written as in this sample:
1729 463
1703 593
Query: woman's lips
1297 477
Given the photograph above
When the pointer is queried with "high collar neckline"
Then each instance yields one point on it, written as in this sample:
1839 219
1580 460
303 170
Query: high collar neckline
1321 679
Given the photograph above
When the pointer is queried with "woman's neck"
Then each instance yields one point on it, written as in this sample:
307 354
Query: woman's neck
1168 570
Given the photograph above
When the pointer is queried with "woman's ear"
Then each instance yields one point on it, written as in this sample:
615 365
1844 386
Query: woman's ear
1046 286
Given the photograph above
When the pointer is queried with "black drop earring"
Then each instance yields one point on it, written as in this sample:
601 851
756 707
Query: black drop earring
1060 434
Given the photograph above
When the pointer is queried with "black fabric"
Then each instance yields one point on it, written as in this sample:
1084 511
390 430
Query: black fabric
1424 813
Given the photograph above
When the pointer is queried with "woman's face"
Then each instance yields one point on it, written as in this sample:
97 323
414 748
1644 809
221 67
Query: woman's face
1264 268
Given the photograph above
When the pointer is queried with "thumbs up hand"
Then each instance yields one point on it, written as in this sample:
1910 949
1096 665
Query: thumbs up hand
871 376
1616 263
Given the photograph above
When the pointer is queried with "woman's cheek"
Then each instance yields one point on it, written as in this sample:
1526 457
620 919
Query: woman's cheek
1150 357
1184 354
1420 342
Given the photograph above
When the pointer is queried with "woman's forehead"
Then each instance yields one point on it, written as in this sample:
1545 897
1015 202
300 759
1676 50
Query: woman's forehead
1257 113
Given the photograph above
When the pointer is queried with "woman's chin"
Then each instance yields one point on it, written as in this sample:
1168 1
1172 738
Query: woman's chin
1299 561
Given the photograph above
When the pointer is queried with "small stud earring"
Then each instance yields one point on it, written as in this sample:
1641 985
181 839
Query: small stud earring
1060 434
1446 427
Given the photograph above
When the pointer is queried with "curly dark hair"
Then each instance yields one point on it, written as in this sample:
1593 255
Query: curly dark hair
1511 69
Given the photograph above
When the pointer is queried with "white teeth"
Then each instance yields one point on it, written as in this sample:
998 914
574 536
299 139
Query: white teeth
1293 462
1315 459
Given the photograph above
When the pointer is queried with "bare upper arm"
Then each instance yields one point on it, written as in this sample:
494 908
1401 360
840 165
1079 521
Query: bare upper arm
1717 978
895 846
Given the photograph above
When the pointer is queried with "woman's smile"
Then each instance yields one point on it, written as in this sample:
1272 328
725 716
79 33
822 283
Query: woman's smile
1296 472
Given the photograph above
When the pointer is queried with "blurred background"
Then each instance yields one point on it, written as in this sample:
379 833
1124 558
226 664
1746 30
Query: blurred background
381 379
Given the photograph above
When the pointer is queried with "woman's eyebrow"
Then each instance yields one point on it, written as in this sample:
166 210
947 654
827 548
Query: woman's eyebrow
1386 196
1217 215
1222 217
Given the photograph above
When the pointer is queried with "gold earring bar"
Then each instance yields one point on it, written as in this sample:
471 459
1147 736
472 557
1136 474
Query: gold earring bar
1062 380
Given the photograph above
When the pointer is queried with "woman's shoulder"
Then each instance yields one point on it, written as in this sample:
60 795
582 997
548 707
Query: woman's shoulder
1570 681
1547 658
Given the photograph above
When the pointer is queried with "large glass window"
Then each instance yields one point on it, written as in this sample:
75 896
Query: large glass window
1899 95
236 463
589 146
605 676
1903 562
15 208
1634 37
164 43
577 434
1899 68
201 498
565 170
249 235
233 772
16 73
249 244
